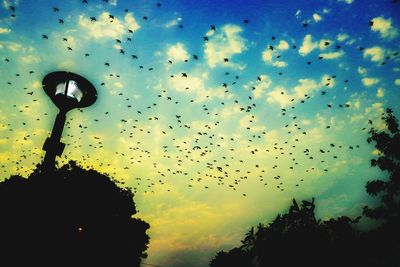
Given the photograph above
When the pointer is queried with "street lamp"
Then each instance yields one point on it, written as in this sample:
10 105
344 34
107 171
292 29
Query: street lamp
67 90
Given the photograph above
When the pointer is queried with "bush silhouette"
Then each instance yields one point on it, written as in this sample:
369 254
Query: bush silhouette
297 238
69 217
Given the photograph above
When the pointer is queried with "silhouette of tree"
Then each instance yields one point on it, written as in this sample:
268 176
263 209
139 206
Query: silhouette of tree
297 238
388 143
69 217
386 235
234 258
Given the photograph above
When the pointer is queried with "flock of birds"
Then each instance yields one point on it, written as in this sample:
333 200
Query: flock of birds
211 156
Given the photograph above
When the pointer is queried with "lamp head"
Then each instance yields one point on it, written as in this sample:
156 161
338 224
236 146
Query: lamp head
68 90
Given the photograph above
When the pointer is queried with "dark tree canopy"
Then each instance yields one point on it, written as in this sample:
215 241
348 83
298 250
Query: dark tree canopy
71 217
388 143
297 238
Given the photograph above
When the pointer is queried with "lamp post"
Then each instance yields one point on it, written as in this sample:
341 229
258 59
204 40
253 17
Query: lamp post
67 90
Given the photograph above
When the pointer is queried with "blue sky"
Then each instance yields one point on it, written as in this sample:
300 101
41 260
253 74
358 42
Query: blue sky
275 105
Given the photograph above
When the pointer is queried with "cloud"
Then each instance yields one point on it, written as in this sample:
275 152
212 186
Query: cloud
380 93
346 1
260 86
14 47
172 23
118 85
327 81
279 95
384 27
322 43
332 55
361 70
268 57
342 37
8 3
368 81
283 97
36 85
177 52
268 54
104 28
224 45
317 18
376 53
280 64
308 45
283 45
298 14
397 82
4 30
195 84
30 59
305 87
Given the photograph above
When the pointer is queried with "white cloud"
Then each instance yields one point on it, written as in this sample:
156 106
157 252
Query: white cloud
376 53
317 18
308 45
323 43
16 47
195 84
283 45
342 37
268 54
8 3
30 59
261 86
380 93
346 1
283 97
306 86
368 81
326 10
119 85
327 81
172 22
4 30
117 47
279 95
332 55
279 64
362 70
384 27
397 82
244 122
104 28
268 57
36 84
177 52
298 13
357 104
224 45
113 2
130 22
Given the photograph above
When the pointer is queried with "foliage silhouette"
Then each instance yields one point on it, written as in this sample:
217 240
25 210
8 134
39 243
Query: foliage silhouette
388 189
69 217
297 238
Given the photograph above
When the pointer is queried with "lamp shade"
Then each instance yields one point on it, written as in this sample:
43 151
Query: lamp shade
68 90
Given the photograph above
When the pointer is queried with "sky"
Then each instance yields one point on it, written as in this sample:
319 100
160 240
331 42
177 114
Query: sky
216 113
